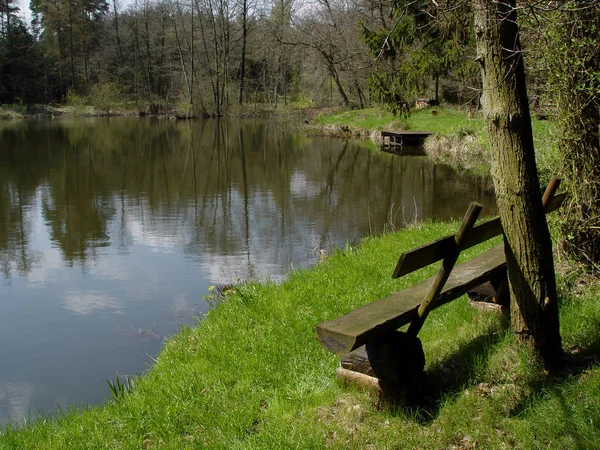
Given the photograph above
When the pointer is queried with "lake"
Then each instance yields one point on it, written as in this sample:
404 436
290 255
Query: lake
113 230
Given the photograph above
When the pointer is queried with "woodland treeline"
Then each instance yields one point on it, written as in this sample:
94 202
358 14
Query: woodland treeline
204 56
207 55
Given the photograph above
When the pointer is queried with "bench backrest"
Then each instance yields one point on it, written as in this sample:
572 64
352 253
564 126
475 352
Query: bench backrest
436 251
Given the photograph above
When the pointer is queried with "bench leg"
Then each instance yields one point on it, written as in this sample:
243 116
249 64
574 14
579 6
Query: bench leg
502 292
396 358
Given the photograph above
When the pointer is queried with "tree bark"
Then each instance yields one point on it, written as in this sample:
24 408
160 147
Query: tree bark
119 47
528 247
244 44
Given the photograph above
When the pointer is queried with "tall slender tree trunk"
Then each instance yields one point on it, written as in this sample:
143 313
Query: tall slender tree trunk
149 70
72 45
119 48
224 21
528 247
8 33
361 102
85 48
244 43
192 60
180 53
334 75
206 51
217 59
162 52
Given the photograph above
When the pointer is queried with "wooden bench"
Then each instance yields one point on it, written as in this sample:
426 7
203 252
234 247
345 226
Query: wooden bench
372 349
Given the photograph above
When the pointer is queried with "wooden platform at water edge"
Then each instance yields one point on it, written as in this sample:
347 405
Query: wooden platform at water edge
403 138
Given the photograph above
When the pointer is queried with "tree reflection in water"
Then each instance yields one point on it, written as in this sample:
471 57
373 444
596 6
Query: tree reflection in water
122 224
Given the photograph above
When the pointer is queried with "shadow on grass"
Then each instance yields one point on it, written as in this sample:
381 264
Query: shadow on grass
577 361
422 400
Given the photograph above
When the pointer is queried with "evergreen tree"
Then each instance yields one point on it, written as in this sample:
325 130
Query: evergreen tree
416 46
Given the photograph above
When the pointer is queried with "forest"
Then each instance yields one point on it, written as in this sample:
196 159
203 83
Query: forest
206 56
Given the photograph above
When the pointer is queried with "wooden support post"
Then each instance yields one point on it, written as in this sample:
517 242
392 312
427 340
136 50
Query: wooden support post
396 358
551 189
502 293
447 265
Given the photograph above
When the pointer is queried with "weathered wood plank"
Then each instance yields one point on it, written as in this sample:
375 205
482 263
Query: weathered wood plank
366 324
435 251
428 303
364 381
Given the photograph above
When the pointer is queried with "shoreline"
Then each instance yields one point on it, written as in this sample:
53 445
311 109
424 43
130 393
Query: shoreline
18 112
251 373
458 138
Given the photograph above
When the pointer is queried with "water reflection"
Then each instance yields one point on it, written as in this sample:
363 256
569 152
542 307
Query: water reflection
122 224
16 399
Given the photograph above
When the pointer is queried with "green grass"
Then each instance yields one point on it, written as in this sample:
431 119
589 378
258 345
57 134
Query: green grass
252 374
448 121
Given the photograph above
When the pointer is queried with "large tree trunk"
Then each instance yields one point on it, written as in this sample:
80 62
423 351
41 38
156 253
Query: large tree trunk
528 247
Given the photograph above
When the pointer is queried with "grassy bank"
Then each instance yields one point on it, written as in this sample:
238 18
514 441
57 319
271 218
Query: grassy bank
252 374
459 140
445 120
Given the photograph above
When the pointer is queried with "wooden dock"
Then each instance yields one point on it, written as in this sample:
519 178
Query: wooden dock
407 138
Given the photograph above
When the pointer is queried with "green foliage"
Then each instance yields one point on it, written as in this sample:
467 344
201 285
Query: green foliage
386 44
419 47
571 57
302 101
119 389
391 92
75 99
68 66
105 96
21 64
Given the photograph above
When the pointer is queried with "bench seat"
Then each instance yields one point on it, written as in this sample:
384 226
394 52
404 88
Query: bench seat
369 322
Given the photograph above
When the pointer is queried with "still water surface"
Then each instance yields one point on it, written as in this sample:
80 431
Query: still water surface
111 230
